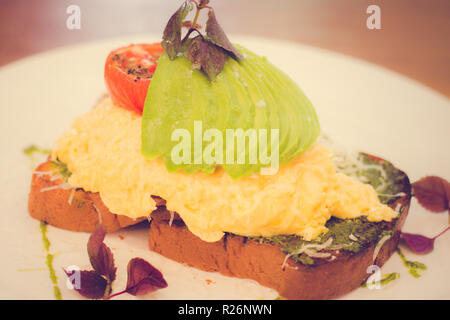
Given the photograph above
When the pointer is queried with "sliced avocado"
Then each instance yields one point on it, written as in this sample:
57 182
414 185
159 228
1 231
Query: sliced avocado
241 114
247 94
282 107
303 137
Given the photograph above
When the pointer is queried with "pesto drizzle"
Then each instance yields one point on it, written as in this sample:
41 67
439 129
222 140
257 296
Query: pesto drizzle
49 261
32 150
36 155
412 266
61 168
388 277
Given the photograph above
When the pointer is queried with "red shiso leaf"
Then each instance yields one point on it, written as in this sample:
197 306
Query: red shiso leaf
143 277
206 56
203 3
217 36
433 193
91 285
421 244
172 33
101 257
418 243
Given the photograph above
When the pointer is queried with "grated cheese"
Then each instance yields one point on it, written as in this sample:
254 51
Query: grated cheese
315 254
72 194
379 245
98 213
286 264
171 217
64 186
352 237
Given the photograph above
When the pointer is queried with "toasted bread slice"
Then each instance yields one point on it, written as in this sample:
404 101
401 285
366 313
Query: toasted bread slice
70 209
242 257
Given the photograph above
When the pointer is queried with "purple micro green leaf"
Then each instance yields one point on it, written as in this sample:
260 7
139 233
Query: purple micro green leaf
420 244
433 193
207 52
101 257
91 285
214 60
171 42
217 36
206 56
203 3
143 277
195 51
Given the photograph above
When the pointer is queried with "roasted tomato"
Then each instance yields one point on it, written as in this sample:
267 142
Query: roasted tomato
128 72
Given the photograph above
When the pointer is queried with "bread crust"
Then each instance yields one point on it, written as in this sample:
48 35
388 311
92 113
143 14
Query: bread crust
71 210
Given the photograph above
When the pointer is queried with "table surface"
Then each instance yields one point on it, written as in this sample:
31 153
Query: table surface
414 38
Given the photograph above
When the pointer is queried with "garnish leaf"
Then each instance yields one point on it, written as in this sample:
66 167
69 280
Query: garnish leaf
217 36
207 52
92 285
433 193
421 244
171 42
100 255
418 243
96 284
195 51
143 277
206 56
203 3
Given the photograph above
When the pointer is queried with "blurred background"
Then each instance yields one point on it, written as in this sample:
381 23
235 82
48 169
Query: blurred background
414 38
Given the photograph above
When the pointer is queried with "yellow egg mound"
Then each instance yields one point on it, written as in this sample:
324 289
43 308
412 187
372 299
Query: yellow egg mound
103 152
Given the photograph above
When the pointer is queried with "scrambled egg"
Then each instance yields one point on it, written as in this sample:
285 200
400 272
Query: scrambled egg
103 152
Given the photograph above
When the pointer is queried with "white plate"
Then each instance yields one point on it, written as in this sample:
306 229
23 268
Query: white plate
359 105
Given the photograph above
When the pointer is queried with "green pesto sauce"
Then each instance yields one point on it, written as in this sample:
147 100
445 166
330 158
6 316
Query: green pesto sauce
387 278
49 262
340 230
35 155
386 179
61 168
32 150
412 266
352 235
